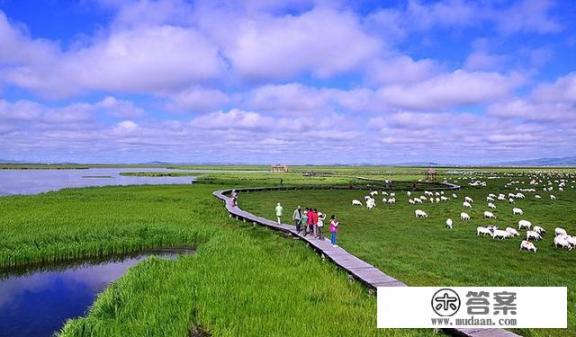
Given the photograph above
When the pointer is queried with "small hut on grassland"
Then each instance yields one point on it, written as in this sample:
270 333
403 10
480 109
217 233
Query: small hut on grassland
431 174
279 168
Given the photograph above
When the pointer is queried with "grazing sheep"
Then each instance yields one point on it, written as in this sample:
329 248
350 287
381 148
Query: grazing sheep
533 235
559 231
501 197
373 193
449 223
466 204
511 200
483 231
524 224
366 197
356 203
418 201
489 215
468 199
552 197
464 216
392 194
420 213
409 193
539 229
537 196
443 198
391 201
491 205
489 198
512 231
560 241
384 200
411 201
454 195
520 196
498 233
527 245
517 211
571 240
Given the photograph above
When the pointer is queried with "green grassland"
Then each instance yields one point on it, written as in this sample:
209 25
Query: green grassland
243 280
423 252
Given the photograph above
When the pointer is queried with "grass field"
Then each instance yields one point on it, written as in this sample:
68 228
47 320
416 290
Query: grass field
243 281
424 252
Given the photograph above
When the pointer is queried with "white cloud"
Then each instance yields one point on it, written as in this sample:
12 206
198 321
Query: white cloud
287 46
450 90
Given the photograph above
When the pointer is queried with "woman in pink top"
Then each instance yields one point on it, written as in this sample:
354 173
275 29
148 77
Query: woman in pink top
333 229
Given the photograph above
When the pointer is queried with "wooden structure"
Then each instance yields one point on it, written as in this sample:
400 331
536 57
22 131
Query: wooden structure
279 168
362 271
431 174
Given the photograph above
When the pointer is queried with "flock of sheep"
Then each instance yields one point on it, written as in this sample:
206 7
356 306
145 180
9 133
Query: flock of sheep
533 233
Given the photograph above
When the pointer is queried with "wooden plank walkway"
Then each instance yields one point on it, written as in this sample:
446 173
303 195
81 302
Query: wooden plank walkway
359 269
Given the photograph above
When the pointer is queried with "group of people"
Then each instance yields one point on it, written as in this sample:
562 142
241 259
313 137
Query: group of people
311 222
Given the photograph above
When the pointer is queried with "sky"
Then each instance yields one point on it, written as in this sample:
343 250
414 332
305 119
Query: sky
291 81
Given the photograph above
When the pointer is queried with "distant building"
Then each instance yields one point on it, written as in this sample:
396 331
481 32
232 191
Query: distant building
431 174
278 168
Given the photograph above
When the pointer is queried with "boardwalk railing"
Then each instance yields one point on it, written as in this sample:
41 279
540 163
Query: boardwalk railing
359 269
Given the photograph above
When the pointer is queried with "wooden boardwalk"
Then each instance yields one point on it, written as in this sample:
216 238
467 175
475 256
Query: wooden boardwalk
359 269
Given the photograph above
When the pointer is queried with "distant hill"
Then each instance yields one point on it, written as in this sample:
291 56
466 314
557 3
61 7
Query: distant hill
564 161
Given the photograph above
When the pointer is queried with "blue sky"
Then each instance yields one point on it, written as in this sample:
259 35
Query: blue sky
296 81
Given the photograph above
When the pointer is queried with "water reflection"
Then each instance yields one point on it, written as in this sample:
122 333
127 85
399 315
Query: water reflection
35 301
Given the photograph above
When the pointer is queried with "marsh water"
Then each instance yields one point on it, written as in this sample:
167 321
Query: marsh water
35 181
37 301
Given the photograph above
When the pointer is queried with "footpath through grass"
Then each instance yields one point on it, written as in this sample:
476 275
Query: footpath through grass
423 252
243 281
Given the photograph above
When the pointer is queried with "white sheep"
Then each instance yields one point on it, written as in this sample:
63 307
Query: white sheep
373 193
391 201
511 200
483 231
524 224
527 245
411 201
420 213
533 235
491 205
466 204
468 199
559 231
409 193
498 233
449 223
443 198
517 211
560 241
418 201
366 197
454 195
489 198
384 200
356 203
512 231
464 216
552 197
537 196
489 215
539 229
501 197
571 240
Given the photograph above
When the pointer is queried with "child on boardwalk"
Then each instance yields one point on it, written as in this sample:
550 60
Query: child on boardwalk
333 230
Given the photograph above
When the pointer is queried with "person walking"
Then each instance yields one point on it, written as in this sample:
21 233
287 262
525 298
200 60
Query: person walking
303 222
320 225
309 221
296 217
315 222
333 230
279 210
